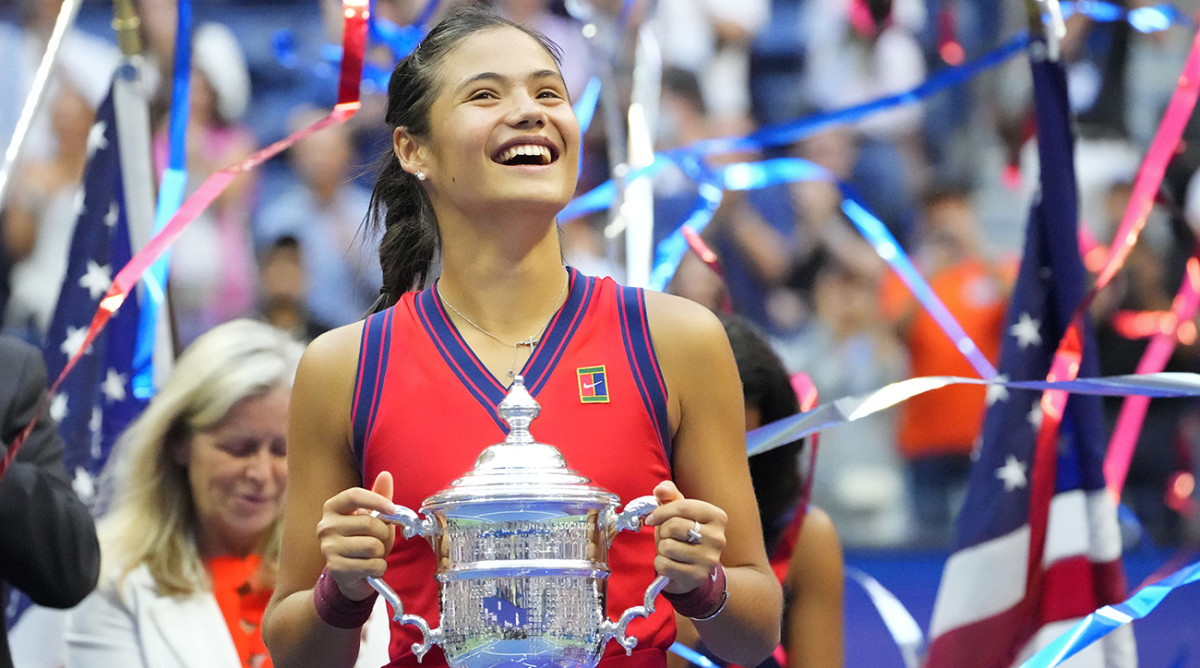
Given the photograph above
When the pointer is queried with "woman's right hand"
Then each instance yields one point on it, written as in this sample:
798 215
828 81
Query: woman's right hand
354 544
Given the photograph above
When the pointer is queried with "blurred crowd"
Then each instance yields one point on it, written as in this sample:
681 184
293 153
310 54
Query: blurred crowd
951 176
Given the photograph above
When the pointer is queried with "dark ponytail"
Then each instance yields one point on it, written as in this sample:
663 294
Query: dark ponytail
766 385
401 208
399 204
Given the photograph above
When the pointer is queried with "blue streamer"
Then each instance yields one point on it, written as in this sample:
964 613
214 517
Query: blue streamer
602 196
1111 617
585 107
889 249
170 196
789 132
671 250
401 40
1142 19
755 175
792 131
693 656
781 170
747 175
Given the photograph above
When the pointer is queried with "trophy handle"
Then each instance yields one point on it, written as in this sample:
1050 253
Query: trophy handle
617 629
429 637
634 513
413 526
412 522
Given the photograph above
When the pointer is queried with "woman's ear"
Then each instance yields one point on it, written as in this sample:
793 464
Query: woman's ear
408 150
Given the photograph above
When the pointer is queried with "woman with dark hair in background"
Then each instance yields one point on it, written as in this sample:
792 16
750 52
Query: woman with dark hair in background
801 539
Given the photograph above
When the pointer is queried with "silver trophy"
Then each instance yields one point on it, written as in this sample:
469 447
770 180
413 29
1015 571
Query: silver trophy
522 556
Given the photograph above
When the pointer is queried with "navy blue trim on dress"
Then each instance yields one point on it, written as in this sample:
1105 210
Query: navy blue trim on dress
374 349
639 349
557 336
465 364
456 354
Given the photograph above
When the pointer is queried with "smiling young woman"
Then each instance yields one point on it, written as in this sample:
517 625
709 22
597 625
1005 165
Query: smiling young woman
485 155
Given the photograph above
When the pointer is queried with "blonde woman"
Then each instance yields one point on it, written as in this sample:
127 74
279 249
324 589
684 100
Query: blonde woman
190 541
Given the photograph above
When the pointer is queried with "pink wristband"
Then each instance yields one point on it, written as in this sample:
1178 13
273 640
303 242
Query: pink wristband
335 609
703 602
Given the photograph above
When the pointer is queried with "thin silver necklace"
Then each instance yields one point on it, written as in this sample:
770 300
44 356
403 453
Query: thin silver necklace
530 342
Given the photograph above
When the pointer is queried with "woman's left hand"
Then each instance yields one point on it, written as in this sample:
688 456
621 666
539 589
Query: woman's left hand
690 536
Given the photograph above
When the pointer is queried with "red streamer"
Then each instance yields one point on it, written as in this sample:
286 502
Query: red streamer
354 40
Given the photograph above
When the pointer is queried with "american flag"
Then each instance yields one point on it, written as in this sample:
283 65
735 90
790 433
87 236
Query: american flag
95 403
1004 593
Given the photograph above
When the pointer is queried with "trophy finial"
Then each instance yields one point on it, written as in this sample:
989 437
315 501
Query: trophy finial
518 410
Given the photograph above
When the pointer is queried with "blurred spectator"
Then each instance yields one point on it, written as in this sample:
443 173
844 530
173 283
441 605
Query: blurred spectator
711 38
751 232
777 63
822 231
283 283
191 539
857 51
86 61
212 269
323 212
40 219
956 120
938 429
197 488
1126 315
48 545
847 349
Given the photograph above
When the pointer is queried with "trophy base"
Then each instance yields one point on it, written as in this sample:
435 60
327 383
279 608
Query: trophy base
534 621
535 652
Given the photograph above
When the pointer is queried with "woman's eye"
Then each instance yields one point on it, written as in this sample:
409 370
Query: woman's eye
484 95
551 94
240 448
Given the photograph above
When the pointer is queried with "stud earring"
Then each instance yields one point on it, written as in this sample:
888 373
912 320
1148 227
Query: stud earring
420 175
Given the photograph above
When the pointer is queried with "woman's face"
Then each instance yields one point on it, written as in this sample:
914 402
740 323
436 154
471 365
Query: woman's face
501 127
238 473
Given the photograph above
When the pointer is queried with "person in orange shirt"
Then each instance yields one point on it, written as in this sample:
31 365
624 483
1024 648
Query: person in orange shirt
190 539
938 429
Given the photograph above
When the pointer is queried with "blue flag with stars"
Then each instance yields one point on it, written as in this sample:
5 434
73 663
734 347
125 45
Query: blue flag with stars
94 404
1006 591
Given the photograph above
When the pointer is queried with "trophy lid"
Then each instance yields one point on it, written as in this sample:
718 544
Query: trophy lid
520 467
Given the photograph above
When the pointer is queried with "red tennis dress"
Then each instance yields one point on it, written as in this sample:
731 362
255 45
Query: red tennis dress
424 407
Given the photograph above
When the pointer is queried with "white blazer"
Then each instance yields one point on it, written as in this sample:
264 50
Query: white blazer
137 627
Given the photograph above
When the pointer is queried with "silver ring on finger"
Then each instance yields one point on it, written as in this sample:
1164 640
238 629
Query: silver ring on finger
694 536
